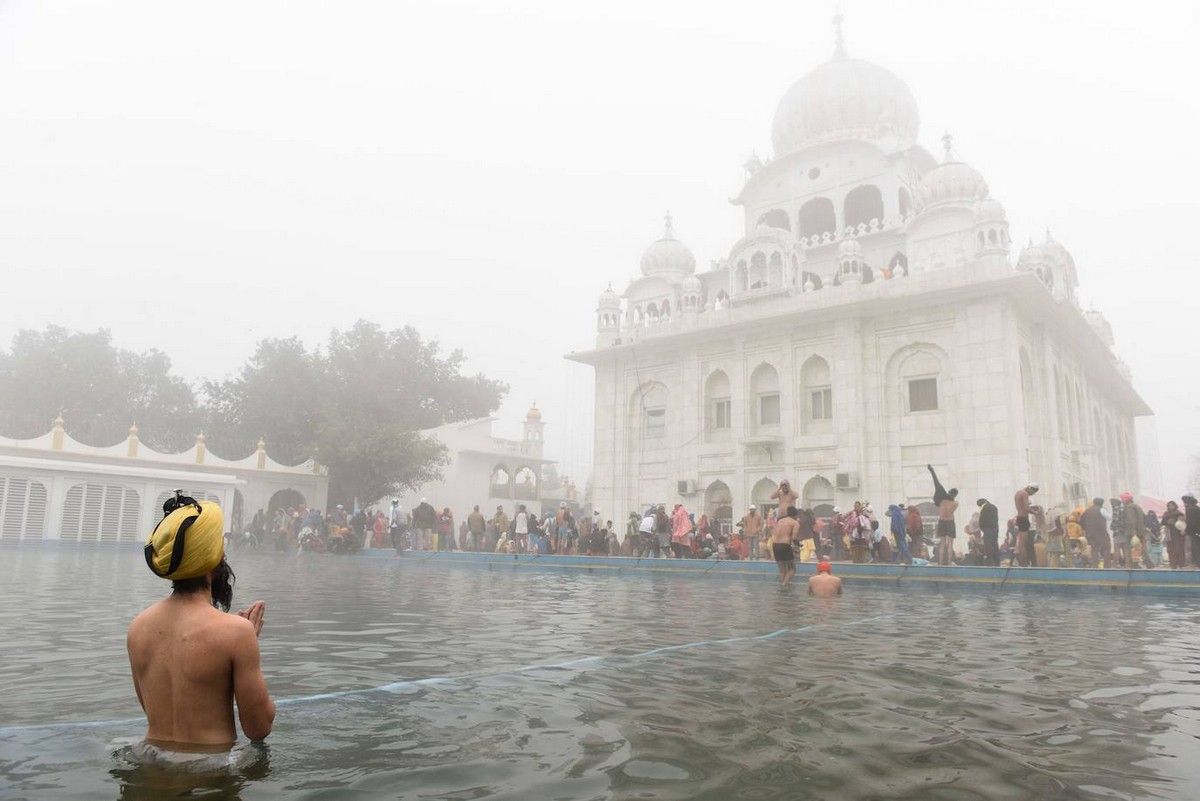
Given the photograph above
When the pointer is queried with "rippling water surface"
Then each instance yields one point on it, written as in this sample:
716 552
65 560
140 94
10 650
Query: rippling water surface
518 684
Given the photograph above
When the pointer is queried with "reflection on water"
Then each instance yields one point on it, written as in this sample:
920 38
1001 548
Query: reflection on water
879 694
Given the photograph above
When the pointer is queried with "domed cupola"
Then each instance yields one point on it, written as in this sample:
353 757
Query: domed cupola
991 231
851 267
668 257
846 98
608 311
1054 265
951 182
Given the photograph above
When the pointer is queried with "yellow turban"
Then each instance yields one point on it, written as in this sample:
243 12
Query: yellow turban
188 543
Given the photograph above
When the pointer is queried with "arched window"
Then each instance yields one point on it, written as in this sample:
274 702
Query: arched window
776 218
722 299
651 406
898 265
764 388
992 238
718 407
981 239
816 395
666 309
500 482
525 485
863 204
741 278
920 374
817 218
758 270
905 202
775 276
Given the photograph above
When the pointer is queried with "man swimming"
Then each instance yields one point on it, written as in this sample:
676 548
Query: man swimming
824 584
189 660
786 531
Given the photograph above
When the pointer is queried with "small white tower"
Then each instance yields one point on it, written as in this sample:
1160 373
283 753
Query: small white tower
850 262
534 430
608 318
991 232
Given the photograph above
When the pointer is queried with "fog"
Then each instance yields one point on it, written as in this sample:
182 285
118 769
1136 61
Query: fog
197 177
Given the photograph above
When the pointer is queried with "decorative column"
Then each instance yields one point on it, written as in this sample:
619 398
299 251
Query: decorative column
262 454
133 442
200 448
56 438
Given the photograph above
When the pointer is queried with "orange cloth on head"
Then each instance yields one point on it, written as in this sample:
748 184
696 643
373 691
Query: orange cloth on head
824 567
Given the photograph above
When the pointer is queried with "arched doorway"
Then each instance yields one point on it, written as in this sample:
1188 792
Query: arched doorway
284 499
818 496
760 496
718 505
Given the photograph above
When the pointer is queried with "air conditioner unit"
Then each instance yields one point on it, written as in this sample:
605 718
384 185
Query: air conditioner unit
846 481
685 487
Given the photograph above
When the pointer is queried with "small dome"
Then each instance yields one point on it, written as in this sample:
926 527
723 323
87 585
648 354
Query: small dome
991 211
846 98
1032 256
951 182
534 413
849 249
668 256
609 299
691 284
1058 253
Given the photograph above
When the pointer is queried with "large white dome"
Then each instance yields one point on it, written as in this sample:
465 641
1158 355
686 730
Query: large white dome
846 98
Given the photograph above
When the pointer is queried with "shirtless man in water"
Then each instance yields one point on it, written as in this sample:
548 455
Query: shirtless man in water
786 531
190 660
824 584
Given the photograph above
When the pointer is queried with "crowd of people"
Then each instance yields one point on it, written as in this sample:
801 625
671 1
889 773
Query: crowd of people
1112 533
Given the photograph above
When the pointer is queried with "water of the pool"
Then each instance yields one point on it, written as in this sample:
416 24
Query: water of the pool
550 685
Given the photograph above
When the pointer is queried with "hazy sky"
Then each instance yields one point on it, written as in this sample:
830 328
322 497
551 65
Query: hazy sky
482 170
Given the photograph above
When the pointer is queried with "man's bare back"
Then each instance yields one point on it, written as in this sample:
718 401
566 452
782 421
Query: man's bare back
824 585
189 662
786 531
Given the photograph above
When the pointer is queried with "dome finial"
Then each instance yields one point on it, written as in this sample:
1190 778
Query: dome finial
839 41
669 232
948 145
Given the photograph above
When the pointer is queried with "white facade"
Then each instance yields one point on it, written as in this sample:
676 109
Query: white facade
869 322
53 487
485 470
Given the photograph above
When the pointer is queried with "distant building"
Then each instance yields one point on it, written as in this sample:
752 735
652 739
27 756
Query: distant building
53 487
486 470
869 322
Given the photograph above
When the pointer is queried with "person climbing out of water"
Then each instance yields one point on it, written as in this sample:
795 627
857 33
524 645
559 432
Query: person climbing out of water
947 504
189 659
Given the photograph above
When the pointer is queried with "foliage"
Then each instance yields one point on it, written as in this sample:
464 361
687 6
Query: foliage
98 388
357 406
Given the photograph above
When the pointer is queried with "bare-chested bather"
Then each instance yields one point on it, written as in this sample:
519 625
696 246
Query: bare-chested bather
190 660
824 584
783 537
